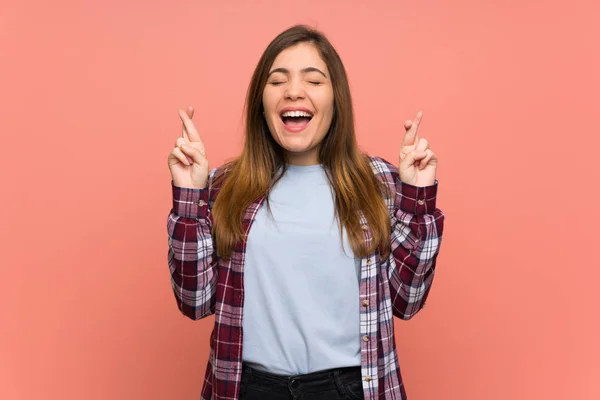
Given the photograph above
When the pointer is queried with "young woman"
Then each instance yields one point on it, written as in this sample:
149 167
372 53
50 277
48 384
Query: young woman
302 247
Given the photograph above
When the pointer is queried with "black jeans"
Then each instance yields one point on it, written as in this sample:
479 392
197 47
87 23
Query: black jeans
331 384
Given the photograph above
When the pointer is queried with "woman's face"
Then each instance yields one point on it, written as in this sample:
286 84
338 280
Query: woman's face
298 102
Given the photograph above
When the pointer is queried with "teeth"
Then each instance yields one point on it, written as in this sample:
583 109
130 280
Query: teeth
296 114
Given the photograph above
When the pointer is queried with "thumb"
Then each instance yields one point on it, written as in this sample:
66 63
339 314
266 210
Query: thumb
412 157
192 152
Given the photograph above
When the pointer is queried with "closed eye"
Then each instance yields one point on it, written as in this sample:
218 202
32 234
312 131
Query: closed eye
276 83
315 82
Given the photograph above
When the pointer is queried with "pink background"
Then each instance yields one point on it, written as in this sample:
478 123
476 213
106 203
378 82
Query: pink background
88 114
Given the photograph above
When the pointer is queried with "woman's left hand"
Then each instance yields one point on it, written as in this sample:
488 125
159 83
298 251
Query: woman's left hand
418 163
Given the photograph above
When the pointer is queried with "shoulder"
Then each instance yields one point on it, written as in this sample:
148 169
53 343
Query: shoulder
216 178
218 175
384 170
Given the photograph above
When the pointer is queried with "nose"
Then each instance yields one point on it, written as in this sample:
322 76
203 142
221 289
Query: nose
294 90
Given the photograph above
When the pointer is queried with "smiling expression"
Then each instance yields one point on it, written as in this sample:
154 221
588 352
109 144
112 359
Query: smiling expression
298 102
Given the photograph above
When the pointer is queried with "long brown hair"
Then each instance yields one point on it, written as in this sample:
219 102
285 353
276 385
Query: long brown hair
252 175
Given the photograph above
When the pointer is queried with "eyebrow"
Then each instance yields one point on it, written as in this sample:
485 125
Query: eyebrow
304 71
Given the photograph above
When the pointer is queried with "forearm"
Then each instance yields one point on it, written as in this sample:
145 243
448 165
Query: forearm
416 237
191 256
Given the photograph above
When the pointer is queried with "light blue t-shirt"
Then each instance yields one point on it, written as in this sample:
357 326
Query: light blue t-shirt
301 310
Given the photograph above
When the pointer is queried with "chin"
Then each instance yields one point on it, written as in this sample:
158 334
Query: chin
295 147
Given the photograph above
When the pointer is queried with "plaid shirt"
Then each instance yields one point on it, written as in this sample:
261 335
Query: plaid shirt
204 284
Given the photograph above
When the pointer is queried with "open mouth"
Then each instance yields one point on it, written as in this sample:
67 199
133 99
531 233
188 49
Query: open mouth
296 119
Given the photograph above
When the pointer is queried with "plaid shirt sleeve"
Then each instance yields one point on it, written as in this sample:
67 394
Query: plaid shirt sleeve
416 226
416 237
192 257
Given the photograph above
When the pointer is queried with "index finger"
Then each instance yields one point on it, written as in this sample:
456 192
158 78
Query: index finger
411 136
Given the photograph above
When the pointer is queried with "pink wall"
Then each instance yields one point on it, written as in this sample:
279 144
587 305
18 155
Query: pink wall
88 115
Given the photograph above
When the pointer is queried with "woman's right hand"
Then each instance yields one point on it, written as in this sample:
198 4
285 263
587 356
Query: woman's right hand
187 161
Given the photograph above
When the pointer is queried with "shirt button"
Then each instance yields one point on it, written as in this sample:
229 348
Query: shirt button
369 261
366 338
368 378
421 202
365 303
201 203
